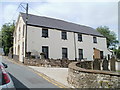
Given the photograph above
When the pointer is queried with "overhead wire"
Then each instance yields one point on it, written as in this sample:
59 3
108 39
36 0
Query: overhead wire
34 10
14 13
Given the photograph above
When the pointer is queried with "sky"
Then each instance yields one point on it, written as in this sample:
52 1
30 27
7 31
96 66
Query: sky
93 13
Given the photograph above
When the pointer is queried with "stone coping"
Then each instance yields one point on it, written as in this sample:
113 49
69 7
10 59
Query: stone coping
118 60
74 66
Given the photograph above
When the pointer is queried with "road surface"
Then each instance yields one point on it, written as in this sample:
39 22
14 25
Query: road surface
23 77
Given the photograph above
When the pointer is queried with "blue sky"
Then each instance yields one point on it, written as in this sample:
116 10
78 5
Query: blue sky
93 13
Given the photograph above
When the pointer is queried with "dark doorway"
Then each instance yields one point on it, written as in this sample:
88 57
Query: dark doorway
45 50
101 54
80 54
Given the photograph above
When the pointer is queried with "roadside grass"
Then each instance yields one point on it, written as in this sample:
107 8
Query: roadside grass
118 71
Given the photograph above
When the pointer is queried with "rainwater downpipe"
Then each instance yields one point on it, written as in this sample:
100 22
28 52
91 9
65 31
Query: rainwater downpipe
75 47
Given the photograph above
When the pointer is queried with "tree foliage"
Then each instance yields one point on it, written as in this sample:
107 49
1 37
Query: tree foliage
0 39
110 36
117 52
7 37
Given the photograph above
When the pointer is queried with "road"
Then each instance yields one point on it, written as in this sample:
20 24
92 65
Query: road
23 77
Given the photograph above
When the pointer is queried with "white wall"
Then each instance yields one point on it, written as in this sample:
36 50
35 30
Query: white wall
117 65
55 43
19 41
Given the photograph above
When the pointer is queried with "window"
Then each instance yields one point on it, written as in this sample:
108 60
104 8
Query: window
79 37
94 39
80 54
19 34
15 37
15 50
44 32
64 53
45 51
64 35
23 48
101 54
23 30
108 56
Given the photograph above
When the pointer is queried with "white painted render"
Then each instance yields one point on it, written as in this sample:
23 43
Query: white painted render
35 41
54 42
19 38
117 65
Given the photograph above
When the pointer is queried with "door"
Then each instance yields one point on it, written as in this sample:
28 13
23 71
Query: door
80 54
45 51
101 54
96 53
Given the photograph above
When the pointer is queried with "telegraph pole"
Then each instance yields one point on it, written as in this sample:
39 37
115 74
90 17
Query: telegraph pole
26 22
26 30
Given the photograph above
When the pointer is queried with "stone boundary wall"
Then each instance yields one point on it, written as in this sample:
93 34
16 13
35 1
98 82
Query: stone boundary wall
10 56
87 78
85 64
16 57
47 62
118 65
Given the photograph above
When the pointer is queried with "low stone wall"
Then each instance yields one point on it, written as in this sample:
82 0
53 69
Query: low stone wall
10 56
48 62
87 78
16 57
118 65
85 64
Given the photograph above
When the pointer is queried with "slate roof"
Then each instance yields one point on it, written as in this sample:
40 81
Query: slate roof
59 24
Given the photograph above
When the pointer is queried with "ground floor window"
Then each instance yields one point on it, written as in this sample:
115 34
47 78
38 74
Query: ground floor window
80 54
101 55
64 53
23 48
45 50
108 56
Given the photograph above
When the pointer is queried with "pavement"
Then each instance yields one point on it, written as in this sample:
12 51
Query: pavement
57 74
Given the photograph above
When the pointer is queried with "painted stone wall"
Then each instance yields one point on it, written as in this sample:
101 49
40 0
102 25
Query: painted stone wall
87 78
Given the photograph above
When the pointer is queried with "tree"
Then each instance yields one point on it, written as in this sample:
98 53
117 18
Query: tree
7 37
109 35
117 52
0 39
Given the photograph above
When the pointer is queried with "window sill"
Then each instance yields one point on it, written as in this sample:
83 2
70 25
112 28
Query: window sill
44 37
64 39
80 41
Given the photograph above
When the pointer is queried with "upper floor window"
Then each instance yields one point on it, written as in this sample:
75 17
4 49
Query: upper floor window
79 37
44 32
94 39
64 35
